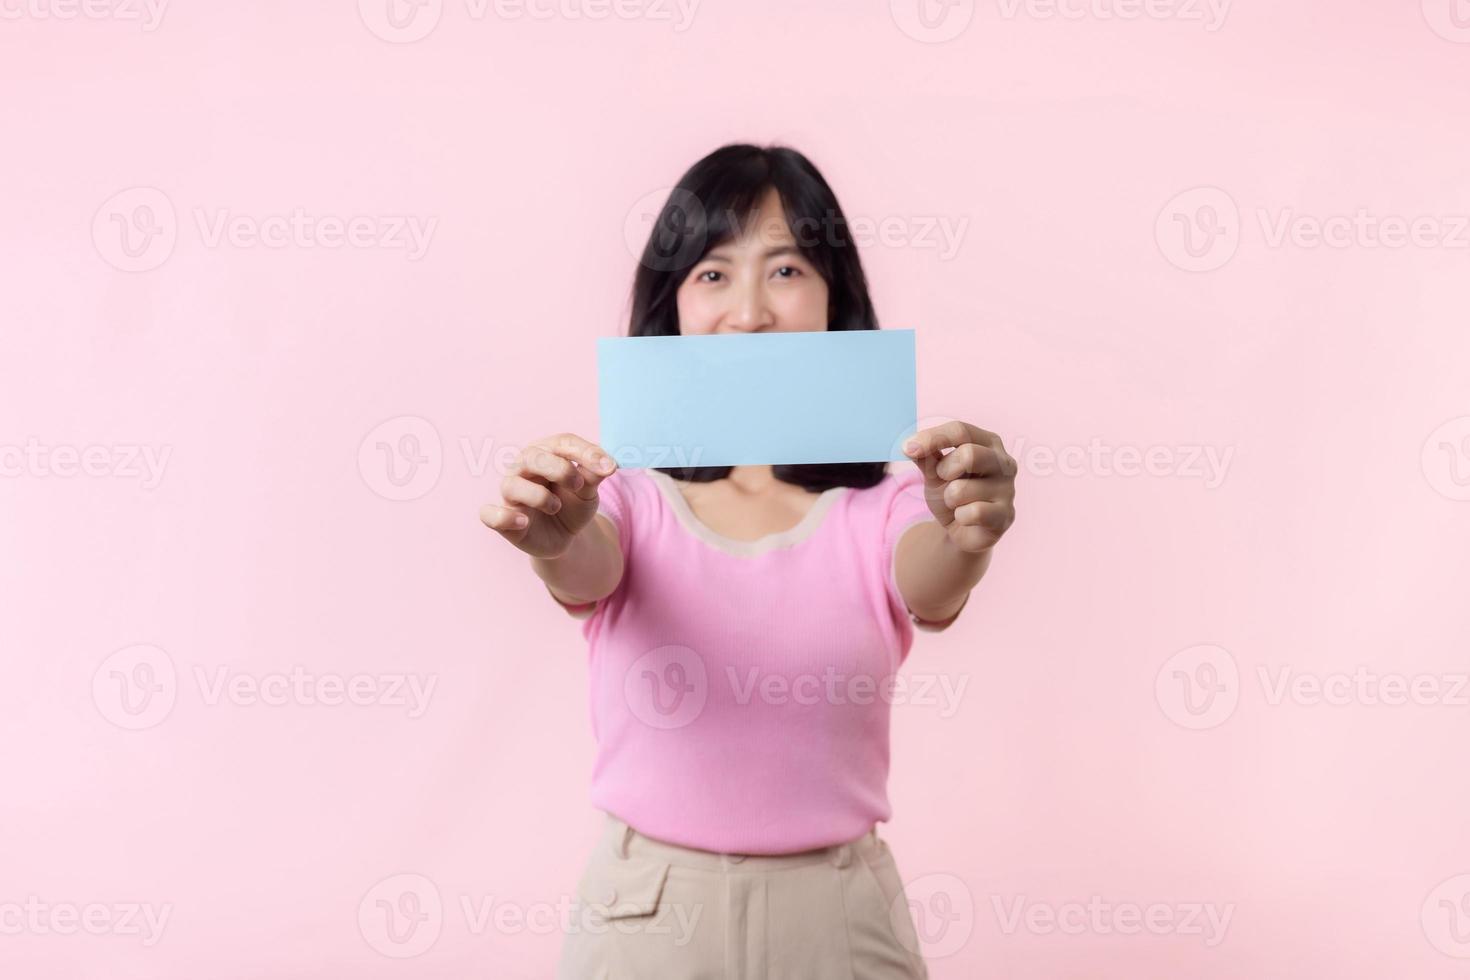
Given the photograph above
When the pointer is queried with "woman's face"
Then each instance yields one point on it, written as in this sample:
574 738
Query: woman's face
760 282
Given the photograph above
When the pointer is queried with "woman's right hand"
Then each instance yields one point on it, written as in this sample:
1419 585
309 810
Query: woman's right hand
550 494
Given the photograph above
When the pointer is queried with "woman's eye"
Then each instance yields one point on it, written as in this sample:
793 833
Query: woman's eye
704 276
788 269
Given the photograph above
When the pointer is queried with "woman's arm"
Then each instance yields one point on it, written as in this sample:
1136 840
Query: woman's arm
934 575
590 568
971 491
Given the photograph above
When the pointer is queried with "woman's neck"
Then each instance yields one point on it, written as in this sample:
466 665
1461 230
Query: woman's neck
753 478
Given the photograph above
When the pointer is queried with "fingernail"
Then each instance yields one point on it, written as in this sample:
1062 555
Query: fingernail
910 447
520 520
604 465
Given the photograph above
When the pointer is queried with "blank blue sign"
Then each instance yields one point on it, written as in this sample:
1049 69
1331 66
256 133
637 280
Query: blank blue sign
825 396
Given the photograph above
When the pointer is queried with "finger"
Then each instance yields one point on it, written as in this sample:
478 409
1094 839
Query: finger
973 459
957 493
993 517
519 490
536 461
972 538
949 435
929 466
595 462
505 519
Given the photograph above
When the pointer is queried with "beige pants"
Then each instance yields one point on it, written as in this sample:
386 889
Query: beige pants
649 910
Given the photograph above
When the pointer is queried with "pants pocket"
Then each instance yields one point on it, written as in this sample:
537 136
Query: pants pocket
632 920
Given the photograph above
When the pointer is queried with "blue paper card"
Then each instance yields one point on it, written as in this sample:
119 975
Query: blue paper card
823 396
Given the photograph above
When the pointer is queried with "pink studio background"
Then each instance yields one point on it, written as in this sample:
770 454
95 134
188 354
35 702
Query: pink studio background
1116 741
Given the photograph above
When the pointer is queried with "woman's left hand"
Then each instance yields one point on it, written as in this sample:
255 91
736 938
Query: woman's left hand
971 490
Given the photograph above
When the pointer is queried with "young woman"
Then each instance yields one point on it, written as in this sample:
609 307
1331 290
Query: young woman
742 622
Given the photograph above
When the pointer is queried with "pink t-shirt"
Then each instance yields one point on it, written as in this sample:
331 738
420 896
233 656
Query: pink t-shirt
740 690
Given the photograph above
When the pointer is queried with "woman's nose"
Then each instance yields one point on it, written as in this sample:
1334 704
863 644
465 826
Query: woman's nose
751 311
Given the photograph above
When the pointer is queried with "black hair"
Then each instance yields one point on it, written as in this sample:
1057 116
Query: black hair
704 210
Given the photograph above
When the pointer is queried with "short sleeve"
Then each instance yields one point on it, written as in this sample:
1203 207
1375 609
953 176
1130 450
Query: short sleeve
613 503
906 507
